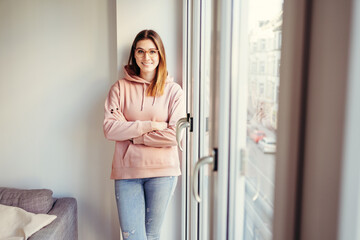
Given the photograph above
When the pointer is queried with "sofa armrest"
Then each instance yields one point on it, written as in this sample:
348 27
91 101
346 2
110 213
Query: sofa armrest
65 226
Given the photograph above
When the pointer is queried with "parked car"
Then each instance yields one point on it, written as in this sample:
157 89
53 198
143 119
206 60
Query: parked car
257 135
268 145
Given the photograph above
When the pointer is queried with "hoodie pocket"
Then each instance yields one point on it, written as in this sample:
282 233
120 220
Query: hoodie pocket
138 155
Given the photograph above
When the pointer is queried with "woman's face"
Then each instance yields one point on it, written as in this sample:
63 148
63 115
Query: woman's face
147 56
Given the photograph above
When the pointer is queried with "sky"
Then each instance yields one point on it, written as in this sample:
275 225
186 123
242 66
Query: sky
263 10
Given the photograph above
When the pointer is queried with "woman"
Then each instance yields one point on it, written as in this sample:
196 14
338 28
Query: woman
141 112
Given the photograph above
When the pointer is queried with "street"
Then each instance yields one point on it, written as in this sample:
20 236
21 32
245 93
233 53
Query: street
261 170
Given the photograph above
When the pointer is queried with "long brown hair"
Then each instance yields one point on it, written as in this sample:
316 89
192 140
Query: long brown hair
157 86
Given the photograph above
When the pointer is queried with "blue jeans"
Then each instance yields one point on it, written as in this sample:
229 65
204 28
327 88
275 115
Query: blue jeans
141 204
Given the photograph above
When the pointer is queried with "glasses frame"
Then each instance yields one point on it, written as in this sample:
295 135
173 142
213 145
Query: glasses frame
146 52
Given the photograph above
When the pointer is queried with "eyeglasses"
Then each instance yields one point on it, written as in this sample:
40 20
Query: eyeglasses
139 52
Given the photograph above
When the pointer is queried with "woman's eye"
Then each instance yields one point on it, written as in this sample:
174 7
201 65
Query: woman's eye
152 52
140 51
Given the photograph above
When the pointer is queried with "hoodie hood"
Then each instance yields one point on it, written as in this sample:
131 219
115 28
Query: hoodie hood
132 77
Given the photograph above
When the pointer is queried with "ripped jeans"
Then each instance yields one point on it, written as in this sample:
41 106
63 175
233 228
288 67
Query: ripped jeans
141 204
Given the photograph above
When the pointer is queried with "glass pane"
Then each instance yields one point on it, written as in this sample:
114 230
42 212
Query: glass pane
264 26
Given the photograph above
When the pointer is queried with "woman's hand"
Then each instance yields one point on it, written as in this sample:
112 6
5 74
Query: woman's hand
117 114
159 125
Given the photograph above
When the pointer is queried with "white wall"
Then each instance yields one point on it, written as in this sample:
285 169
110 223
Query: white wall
57 61
165 17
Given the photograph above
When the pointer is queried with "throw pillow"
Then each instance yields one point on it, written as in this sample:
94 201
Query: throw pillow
33 200
16 223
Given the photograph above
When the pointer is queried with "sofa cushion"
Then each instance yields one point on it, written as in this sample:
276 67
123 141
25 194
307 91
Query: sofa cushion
33 200
65 226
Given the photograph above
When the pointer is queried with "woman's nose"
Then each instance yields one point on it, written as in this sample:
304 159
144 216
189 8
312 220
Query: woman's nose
147 55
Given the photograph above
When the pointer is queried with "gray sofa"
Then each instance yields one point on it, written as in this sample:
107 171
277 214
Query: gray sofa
64 227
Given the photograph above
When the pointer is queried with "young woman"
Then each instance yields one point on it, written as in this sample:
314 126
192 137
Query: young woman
141 112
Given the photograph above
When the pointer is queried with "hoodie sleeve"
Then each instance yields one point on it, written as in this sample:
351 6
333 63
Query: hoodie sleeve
120 129
166 137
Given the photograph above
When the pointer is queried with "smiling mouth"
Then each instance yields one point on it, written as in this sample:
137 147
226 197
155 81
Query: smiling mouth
146 64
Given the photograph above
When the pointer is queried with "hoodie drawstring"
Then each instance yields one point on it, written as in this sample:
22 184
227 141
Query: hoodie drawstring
143 97
132 77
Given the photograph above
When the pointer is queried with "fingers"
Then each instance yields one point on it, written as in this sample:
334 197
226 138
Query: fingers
164 125
155 126
159 125
117 114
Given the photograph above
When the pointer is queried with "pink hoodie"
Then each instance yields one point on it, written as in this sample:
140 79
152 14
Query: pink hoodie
141 152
